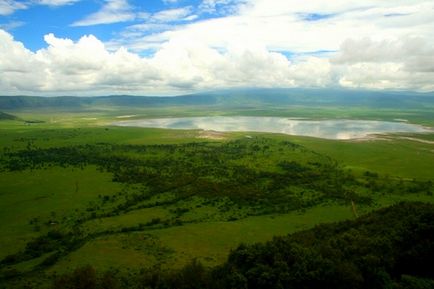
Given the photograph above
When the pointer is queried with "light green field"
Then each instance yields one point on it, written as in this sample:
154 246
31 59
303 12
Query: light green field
208 241
395 157
45 194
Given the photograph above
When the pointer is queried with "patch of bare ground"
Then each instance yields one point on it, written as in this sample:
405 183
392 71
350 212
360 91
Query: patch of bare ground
416 139
211 134
372 137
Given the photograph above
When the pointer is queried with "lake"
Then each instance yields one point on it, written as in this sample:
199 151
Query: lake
330 129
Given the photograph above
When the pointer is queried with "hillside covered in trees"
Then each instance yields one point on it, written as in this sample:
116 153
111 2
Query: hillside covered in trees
4 116
388 248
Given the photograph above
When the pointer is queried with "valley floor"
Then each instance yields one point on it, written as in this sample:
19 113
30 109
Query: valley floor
76 191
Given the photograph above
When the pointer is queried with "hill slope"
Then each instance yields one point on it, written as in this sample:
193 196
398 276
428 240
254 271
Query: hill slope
389 248
5 116
234 98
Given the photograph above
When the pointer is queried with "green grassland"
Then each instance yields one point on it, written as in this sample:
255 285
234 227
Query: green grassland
75 190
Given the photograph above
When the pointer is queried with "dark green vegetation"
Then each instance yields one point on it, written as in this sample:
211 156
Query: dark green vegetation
82 201
7 116
389 248
265 175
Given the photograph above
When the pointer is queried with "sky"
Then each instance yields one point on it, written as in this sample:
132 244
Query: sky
169 47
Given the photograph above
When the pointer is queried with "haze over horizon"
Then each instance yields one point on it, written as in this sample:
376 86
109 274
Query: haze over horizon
167 47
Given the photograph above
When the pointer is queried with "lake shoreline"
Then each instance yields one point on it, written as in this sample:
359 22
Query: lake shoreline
337 129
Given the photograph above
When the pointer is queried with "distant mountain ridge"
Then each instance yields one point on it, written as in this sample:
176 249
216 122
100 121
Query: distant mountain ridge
234 98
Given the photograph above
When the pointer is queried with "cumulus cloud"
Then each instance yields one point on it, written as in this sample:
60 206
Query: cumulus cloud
112 12
289 26
87 67
391 75
18 66
70 66
414 52
405 63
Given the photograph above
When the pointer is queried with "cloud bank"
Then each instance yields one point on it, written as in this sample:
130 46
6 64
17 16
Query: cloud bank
258 43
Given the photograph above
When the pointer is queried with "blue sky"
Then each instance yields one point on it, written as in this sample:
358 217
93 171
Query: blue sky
30 24
90 47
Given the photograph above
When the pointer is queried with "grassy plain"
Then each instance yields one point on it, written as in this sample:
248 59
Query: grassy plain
161 229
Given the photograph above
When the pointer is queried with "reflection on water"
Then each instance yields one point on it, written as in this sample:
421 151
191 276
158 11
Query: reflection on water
330 129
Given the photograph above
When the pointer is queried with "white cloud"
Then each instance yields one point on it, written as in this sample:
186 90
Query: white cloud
389 75
222 6
18 66
8 7
112 12
162 21
145 27
415 54
393 40
11 25
406 63
56 2
65 66
172 14
278 25
87 67
191 17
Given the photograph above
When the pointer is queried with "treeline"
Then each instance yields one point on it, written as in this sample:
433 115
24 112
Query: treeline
204 169
389 248
237 170
54 242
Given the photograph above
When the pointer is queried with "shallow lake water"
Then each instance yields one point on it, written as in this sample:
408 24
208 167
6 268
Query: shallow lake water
329 129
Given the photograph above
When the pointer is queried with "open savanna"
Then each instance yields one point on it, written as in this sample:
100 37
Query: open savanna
175 198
